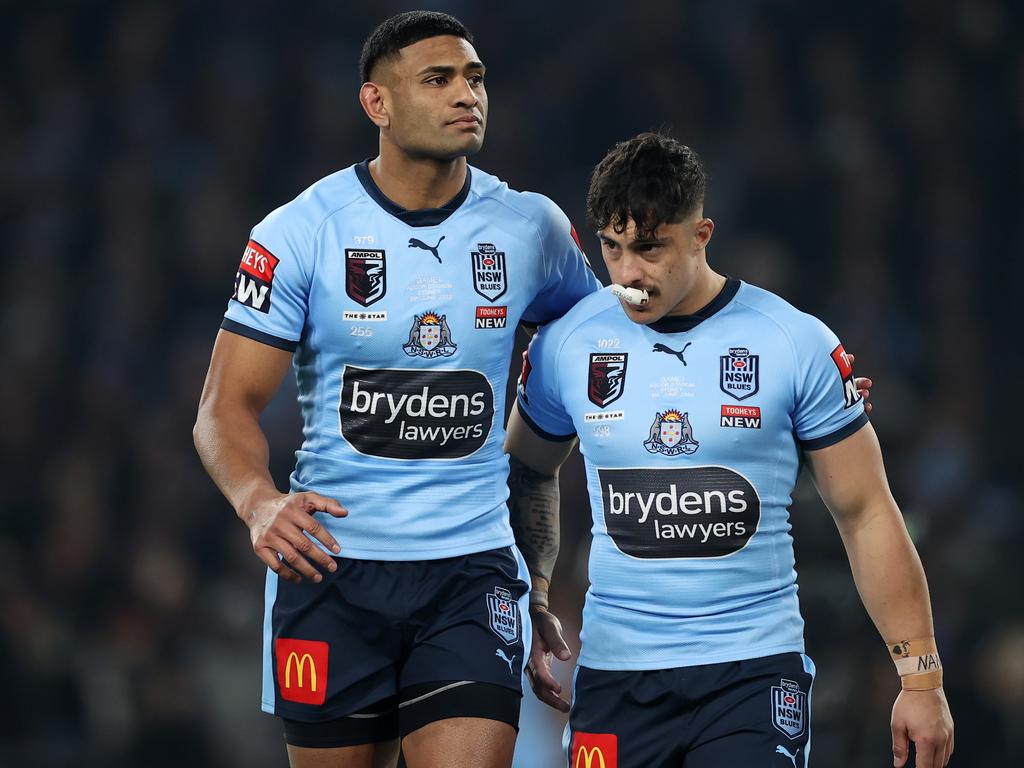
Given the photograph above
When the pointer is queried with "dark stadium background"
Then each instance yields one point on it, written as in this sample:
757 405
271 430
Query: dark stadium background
866 163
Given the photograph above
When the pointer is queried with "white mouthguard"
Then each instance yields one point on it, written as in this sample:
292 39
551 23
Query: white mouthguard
634 296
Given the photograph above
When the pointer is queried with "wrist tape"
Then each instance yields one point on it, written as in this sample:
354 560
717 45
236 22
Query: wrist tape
918 664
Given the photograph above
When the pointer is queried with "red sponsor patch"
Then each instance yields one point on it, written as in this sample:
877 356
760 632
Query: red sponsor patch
751 411
258 262
301 670
491 312
842 363
594 750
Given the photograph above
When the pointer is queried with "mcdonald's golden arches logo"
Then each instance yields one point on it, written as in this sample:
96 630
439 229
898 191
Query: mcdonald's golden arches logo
301 670
595 750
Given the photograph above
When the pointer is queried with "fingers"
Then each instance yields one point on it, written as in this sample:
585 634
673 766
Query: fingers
305 547
313 527
899 747
549 629
949 750
545 686
293 557
273 562
314 502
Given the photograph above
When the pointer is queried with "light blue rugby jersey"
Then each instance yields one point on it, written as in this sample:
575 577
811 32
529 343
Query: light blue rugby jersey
402 323
691 430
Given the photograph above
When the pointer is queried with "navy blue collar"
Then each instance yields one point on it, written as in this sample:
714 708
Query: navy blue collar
423 217
680 323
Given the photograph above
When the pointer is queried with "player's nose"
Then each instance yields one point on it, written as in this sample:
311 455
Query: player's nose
630 272
464 94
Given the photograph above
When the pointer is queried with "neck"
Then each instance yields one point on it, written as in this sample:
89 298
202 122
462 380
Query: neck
416 182
708 285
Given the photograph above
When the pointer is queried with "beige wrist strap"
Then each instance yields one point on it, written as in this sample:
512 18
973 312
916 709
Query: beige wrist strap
918 664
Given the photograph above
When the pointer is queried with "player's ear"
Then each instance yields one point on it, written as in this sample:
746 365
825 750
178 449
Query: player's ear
702 233
372 97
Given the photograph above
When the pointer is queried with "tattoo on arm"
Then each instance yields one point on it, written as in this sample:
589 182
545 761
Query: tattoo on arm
533 509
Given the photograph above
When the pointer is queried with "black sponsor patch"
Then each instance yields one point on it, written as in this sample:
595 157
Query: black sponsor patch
684 512
606 378
408 413
365 275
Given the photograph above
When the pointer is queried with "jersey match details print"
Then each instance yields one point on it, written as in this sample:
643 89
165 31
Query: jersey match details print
678 513
302 670
365 275
254 280
407 413
850 394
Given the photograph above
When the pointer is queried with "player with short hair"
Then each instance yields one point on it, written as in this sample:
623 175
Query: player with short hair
395 597
695 398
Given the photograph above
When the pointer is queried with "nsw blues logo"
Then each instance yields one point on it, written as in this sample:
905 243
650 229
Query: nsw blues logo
789 708
503 615
606 378
671 434
430 336
365 275
740 373
490 277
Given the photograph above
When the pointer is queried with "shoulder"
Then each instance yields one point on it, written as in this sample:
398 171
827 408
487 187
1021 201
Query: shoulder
589 309
533 207
796 326
315 204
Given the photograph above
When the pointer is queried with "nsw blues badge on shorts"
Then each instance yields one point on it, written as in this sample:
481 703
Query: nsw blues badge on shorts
789 708
503 615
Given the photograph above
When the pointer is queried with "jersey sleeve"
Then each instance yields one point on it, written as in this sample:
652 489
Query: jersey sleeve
539 398
567 273
272 284
828 407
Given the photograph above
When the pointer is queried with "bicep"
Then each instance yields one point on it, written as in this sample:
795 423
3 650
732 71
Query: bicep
243 372
850 475
539 454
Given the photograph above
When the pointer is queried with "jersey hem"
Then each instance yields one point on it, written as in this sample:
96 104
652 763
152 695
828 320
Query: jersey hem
405 554
674 662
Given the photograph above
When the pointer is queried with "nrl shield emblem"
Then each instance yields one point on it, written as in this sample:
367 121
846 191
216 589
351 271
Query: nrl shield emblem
490 278
789 708
365 275
671 434
606 379
503 615
739 376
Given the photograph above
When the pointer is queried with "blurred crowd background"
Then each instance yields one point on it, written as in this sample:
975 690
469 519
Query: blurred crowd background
866 164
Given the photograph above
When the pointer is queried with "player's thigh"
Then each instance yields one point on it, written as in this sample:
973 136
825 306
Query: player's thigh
380 755
461 742
626 719
760 718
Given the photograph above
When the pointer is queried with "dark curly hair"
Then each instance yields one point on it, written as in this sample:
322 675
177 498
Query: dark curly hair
651 179
395 33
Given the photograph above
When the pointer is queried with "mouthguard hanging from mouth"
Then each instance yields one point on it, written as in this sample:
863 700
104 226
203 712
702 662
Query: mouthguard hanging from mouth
634 296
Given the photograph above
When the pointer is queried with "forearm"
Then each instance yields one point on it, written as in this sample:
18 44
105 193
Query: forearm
533 509
888 573
236 455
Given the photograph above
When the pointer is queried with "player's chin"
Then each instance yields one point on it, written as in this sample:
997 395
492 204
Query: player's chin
638 314
469 143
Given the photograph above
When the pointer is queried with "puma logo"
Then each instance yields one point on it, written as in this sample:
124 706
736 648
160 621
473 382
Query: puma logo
781 750
668 351
417 243
500 653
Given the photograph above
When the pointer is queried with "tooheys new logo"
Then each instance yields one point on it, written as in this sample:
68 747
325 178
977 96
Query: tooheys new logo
407 413
685 512
254 280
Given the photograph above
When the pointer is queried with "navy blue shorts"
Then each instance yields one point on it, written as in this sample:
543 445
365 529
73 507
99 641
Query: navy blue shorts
378 648
750 713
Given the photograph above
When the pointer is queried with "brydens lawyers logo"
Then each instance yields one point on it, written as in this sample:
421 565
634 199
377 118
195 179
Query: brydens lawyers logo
365 275
850 394
255 277
594 750
301 670
606 379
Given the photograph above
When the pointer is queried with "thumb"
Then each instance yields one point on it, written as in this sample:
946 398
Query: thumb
551 631
899 747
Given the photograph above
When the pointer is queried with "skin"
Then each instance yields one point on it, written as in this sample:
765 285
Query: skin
430 105
850 477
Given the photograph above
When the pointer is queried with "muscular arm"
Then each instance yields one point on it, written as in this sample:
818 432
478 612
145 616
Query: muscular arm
533 498
243 376
888 573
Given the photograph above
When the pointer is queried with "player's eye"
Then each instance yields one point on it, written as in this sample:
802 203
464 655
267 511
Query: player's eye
438 80
476 80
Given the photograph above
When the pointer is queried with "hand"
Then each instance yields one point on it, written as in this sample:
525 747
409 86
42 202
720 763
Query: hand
278 527
863 385
547 641
923 718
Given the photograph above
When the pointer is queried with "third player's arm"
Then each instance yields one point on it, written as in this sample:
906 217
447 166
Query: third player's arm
890 579
533 507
